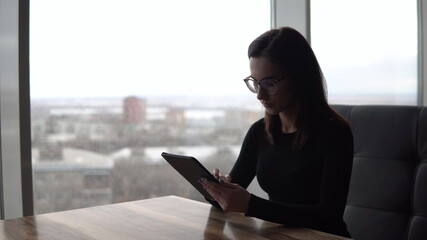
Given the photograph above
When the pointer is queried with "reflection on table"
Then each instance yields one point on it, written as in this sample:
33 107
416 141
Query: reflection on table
168 217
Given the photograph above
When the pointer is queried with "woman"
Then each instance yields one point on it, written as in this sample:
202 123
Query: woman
301 151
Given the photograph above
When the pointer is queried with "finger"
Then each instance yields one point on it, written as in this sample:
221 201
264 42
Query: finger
217 196
214 189
215 172
221 178
222 195
218 189
222 186
228 178
228 184
207 183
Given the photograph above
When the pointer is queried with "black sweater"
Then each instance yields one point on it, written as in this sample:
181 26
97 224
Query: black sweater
306 187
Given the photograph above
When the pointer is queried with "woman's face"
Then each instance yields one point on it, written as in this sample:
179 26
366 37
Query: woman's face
262 69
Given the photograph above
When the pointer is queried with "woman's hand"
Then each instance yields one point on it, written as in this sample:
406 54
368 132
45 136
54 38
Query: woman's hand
230 196
218 175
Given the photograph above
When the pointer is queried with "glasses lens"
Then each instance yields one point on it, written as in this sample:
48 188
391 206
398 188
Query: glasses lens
269 86
251 84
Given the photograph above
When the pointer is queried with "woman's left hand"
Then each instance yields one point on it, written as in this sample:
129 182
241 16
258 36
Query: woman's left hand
230 196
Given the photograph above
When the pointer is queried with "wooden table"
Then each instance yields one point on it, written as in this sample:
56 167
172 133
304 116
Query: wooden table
168 217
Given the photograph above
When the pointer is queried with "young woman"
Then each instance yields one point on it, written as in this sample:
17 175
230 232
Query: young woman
301 151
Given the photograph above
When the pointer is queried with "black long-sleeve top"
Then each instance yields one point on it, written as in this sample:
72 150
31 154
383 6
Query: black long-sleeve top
307 187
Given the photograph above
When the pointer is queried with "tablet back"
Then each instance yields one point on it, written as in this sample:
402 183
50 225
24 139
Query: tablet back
191 169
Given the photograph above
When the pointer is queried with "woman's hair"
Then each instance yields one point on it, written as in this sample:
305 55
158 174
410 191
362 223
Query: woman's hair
291 52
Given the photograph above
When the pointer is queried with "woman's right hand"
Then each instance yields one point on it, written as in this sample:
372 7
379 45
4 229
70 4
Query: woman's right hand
221 177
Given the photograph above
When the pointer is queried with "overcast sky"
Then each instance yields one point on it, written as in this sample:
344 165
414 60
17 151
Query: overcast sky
106 48
367 46
134 47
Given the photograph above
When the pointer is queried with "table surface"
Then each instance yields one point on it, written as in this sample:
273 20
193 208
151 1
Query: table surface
168 217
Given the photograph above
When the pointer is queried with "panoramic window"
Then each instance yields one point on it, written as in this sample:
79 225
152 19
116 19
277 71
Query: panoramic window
116 83
367 50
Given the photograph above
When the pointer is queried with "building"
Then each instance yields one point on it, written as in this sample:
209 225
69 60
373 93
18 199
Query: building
134 110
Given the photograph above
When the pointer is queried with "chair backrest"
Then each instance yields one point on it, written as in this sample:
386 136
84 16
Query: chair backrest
388 189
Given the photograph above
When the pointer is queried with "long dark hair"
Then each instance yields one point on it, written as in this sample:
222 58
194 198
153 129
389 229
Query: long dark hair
287 48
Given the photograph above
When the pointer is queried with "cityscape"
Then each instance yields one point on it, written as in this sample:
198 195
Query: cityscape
89 152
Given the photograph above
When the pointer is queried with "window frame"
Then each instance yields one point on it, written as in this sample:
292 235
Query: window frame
296 14
292 13
15 144
16 193
422 52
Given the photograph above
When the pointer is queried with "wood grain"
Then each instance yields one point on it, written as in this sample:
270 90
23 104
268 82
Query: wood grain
168 217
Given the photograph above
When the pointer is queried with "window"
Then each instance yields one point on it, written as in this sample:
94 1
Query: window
115 83
367 50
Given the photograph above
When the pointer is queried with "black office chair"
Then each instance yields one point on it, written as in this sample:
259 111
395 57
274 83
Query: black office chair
388 190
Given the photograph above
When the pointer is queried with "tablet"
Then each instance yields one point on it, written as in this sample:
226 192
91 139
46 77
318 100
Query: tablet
192 170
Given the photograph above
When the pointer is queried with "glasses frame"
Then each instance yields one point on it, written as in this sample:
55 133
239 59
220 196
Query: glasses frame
275 81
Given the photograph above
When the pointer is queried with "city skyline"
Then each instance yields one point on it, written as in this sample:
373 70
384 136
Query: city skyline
91 152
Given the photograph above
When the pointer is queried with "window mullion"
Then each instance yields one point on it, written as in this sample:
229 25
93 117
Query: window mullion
422 53
10 166
292 13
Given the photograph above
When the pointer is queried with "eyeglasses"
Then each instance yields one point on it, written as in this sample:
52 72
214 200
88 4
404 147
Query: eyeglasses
268 84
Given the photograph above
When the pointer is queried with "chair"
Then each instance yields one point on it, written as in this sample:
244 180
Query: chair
387 198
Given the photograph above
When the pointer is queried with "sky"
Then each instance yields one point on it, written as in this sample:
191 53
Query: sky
89 48
107 48
370 43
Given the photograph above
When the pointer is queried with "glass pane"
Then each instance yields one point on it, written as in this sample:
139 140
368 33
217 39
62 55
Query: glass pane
115 83
367 50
